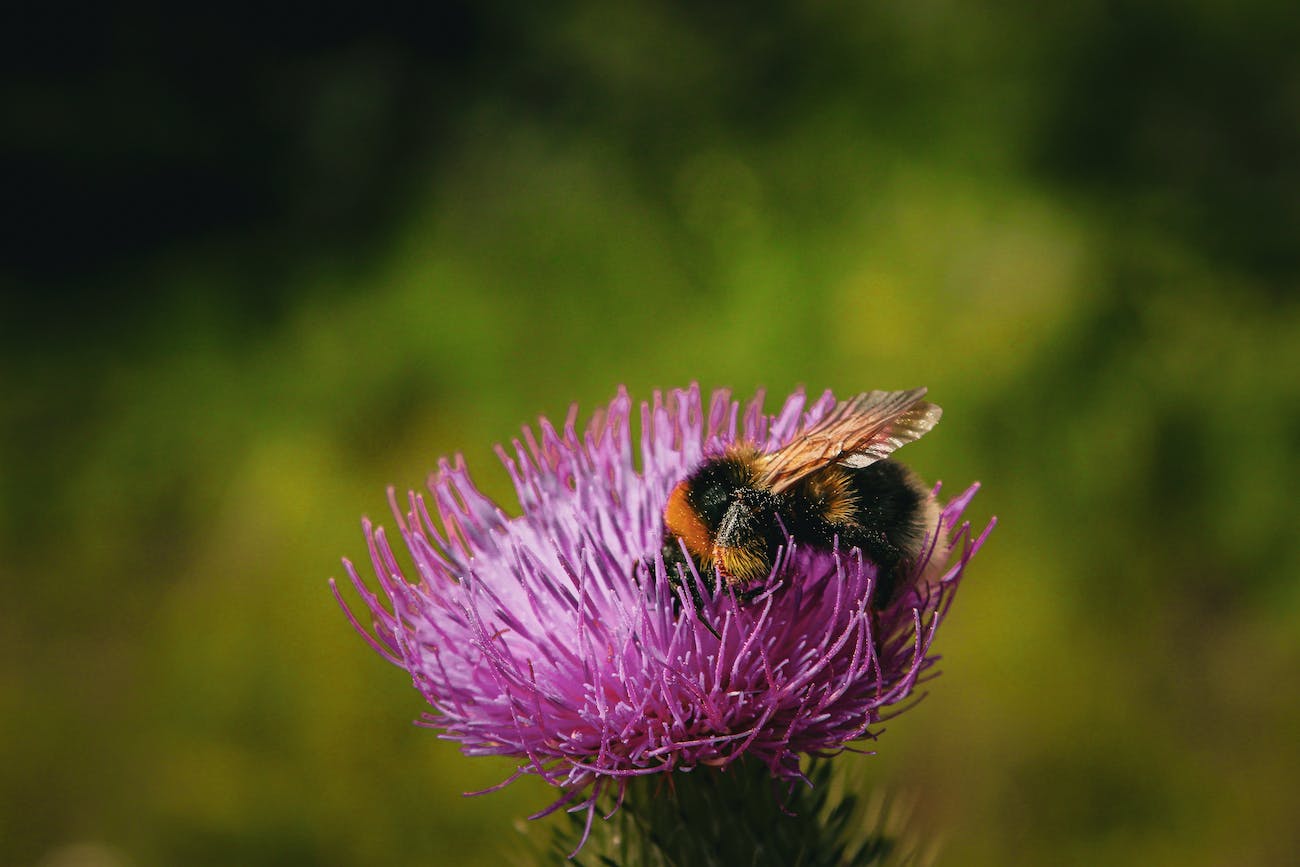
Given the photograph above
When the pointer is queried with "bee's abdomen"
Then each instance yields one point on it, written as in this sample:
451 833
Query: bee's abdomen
888 522
830 496
888 498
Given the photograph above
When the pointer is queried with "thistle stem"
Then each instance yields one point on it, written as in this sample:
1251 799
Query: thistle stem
738 815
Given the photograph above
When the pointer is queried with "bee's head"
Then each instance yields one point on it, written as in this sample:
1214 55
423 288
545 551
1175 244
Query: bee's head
748 538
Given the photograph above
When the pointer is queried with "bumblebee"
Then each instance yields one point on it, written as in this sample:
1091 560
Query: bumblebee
832 481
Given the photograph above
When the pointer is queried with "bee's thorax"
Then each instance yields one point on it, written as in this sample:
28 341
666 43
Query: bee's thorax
682 520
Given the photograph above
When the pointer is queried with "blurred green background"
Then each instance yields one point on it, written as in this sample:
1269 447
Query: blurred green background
262 265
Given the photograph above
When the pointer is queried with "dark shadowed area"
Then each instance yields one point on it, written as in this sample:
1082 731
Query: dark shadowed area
259 264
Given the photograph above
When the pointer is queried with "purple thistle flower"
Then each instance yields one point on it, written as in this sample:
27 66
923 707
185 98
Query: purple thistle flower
554 637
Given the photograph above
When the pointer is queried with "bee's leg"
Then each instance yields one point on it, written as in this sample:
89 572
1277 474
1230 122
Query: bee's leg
885 555
693 589
674 567
699 609
888 584
679 575
878 639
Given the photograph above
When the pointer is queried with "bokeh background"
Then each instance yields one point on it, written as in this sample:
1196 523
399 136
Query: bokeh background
261 265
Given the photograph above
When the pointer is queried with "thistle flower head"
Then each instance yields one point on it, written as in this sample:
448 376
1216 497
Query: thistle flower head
555 637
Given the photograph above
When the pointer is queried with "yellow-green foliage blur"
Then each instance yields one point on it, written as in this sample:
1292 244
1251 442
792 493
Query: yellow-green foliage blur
263 271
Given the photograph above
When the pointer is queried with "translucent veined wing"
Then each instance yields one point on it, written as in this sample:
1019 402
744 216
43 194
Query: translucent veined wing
856 433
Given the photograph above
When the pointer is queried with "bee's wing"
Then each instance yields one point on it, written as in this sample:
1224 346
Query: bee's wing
856 433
